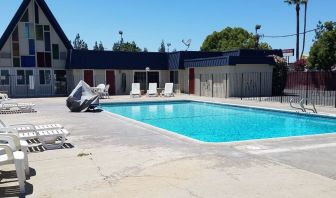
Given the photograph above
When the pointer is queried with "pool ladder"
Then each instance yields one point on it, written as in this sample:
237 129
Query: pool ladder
302 105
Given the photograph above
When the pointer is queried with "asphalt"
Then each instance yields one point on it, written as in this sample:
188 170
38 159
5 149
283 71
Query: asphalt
110 156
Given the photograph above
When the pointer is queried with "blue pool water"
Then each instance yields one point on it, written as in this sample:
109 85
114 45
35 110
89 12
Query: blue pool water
222 123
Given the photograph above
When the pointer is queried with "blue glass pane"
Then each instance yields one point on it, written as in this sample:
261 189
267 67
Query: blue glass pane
26 30
28 61
47 41
31 47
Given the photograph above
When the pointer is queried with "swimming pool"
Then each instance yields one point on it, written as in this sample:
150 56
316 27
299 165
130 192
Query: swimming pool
210 122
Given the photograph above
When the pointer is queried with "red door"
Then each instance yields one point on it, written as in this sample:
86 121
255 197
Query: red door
88 77
110 79
191 81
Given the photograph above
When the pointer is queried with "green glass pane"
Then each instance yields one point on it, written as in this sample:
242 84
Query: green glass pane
55 50
39 32
16 62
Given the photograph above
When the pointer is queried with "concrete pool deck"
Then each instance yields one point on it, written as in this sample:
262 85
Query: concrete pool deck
113 157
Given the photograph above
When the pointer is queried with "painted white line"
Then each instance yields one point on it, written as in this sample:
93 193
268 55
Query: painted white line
289 149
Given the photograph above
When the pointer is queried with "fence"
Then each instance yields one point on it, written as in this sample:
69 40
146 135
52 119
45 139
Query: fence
317 87
32 86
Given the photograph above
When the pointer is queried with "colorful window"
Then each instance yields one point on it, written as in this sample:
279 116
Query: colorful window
26 30
16 62
31 46
45 77
47 58
4 77
28 73
25 17
15 34
40 59
47 41
47 28
39 32
55 51
37 17
28 61
16 49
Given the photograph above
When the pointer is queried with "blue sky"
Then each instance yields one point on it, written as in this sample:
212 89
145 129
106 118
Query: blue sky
148 22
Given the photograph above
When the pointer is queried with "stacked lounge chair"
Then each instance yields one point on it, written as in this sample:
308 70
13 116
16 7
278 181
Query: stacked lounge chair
51 136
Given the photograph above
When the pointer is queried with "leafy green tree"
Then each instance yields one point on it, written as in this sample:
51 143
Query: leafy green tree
231 39
126 47
79 44
322 54
279 78
297 4
162 47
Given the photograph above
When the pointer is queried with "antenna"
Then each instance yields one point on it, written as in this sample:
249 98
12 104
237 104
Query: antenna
187 43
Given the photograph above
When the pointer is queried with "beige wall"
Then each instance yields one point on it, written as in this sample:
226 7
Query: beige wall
227 81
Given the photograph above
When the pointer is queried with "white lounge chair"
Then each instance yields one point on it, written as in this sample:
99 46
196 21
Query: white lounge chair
168 91
9 155
135 90
106 91
13 107
51 136
16 145
152 89
4 97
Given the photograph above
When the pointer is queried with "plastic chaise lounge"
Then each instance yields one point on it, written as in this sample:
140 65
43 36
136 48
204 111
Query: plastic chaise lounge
13 107
135 90
51 136
11 154
168 91
152 89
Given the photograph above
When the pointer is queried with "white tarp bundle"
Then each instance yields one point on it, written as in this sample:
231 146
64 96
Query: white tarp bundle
82 98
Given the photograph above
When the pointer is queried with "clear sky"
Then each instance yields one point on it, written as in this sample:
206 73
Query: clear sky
147 22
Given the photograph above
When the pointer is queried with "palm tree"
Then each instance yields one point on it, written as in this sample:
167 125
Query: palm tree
305 2
297 4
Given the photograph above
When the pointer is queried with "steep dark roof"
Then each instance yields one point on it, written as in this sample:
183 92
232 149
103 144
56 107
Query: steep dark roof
88 59
49 16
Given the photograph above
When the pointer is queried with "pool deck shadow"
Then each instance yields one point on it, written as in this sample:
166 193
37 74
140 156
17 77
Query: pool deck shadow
128 160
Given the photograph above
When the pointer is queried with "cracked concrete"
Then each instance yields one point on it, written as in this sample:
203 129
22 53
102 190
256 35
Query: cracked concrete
131 160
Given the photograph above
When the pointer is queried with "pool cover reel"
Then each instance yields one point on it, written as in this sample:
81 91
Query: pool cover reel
82 98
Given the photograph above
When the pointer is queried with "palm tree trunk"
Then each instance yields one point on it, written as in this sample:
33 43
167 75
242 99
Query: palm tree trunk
297 31
305 28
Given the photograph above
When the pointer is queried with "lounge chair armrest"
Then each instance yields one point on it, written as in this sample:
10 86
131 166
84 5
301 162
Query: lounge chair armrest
7 150
24 125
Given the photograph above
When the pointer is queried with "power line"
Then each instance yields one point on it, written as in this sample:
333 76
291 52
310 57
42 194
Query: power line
289 35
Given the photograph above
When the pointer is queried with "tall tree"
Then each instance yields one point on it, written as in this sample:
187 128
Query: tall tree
231 39
297 4
162 47
95 47
79 44
305 3
101 46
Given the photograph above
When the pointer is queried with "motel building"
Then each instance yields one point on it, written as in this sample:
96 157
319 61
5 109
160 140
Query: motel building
37 59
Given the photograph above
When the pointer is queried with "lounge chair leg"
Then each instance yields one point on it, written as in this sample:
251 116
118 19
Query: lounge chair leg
19 166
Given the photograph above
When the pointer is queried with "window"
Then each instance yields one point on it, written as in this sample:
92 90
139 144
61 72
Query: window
45 77
47 58
47 28
47 41
20 77
23 76
28 31
28 61
16 62
25 17
16 49
43 59
4 77
31 46
55 50
15 34
37 17
39 32
174 77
